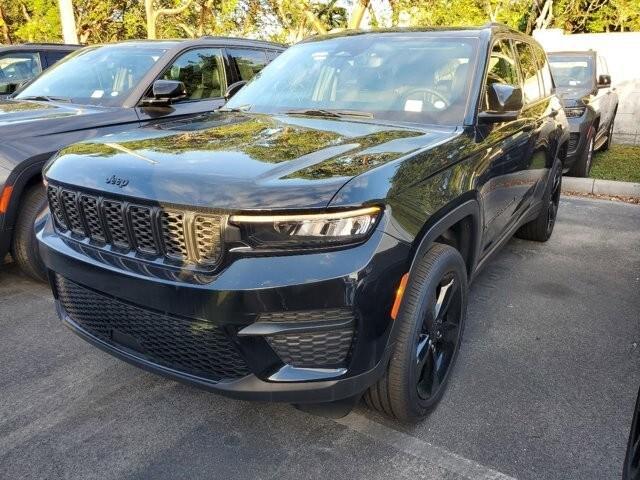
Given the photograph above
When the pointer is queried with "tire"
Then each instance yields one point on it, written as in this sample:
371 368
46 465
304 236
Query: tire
582 167
605 146
540 228
24 246
437 290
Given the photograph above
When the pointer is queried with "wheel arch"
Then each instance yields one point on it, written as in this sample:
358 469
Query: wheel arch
458 225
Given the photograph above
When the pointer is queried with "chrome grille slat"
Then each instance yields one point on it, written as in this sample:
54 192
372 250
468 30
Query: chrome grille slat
178 236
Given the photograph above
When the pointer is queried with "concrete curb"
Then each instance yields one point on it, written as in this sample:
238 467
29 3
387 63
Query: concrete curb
600 187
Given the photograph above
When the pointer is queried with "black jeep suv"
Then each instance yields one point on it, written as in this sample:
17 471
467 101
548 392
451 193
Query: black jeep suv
100 90
315 238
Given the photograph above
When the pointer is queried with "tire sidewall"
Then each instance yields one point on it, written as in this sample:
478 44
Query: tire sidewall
451 261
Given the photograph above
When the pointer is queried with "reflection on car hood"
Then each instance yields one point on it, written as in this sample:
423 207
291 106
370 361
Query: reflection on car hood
21 118
572 96
239 161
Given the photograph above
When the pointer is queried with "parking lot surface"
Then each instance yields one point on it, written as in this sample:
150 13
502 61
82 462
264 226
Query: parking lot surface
544 386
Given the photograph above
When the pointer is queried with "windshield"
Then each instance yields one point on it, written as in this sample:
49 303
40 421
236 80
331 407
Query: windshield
393 77
572 70
95 75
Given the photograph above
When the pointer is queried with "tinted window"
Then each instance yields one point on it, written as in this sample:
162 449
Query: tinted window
544 70
53 57
502 66
572 70
249 62
531 77
201 71
95 75
18 67
421 78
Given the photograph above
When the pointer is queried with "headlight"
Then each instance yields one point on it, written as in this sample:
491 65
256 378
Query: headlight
574 111
306 230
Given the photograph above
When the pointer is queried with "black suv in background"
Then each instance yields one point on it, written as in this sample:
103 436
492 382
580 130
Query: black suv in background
21 63
584 86
102 90
314 239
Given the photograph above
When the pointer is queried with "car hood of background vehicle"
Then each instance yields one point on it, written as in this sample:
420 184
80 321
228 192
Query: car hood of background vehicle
573 96
25 118
238 161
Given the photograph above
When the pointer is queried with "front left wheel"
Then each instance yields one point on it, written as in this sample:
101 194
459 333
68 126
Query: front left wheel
24 246
430 326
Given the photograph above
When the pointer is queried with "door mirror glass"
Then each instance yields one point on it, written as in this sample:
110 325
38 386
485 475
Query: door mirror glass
233 89
165 92
604 81
504 103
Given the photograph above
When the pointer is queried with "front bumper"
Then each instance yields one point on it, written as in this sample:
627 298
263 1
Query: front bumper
578 129
239 304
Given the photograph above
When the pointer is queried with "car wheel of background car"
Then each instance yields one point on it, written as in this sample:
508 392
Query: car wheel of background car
605 146
430 326
631 469
24 246
582 167
541 228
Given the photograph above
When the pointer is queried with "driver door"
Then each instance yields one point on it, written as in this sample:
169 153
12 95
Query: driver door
203 74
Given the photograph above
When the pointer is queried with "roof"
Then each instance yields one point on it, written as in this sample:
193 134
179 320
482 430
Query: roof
40 46
206 40
489 28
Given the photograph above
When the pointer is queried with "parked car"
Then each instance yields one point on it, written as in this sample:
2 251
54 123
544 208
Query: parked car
101 90
314 238
21 63
631 469
584 86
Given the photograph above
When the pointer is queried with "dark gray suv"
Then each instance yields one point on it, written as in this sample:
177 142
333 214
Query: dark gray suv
21 63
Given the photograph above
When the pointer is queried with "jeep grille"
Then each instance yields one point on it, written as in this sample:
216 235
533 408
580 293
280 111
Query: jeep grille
154 232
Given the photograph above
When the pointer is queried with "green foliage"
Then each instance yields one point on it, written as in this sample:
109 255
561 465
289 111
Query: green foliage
291 20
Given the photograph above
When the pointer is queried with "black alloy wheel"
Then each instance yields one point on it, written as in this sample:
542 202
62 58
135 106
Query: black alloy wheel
428 332
438 339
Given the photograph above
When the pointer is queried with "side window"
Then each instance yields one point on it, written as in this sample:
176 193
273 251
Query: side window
272 54
249 62
602 66
18 67
54 56
545 71
502 66
201 71
530 76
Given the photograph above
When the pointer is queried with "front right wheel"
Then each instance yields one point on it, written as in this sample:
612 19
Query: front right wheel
430 326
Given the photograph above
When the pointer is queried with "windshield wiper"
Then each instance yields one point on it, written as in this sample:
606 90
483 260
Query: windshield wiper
321 112
45 98
241 108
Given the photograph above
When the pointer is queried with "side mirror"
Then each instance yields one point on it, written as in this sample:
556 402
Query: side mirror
233 89
504 103
165 92
604 81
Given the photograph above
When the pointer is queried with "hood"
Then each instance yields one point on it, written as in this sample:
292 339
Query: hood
19 118
573 96
238 161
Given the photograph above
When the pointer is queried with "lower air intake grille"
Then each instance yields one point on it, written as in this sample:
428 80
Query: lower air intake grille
318 349
189 346
574 139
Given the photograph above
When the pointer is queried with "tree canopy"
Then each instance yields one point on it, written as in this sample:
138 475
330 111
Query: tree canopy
99 21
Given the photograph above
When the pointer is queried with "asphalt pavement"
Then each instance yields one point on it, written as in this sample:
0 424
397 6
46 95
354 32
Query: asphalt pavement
544 386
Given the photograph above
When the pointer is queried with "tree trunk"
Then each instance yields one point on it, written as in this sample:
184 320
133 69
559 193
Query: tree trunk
6 36
68 21
358 13
150 15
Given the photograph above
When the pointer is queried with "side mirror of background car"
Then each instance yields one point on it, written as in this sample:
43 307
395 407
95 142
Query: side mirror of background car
604 81
233 89
504 103
8 88
165 92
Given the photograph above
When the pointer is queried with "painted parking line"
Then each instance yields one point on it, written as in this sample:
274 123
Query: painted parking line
431 454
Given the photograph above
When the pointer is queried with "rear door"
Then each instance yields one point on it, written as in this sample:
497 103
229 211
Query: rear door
202 70
606 94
